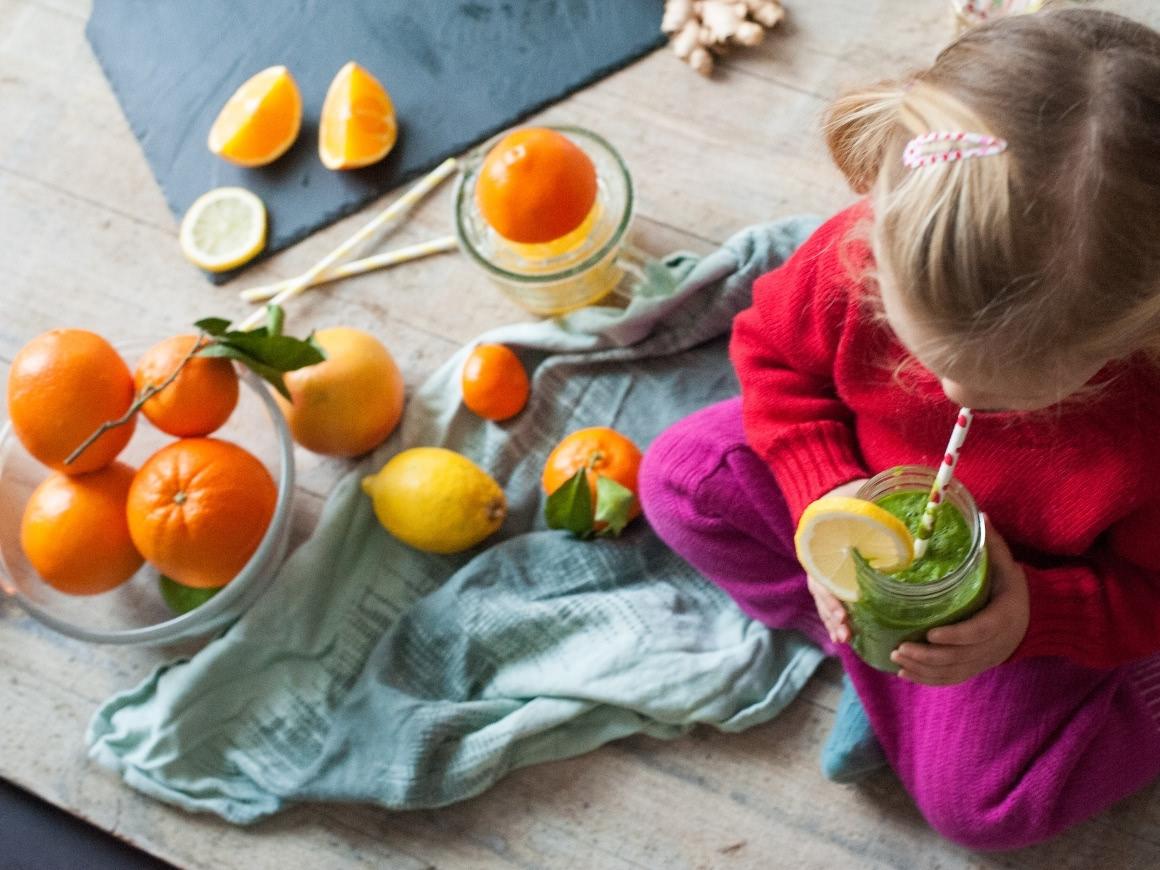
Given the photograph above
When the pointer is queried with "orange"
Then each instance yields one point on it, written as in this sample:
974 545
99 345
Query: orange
75 534
535 186
62 386
350 402
604 452
358 126
260 122
198 401
494 383
198 509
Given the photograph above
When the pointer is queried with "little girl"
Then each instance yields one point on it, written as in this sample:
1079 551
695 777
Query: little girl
1008 259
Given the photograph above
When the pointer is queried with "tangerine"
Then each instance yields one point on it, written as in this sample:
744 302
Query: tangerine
358 125
494 383
603 452
62 386
74 531
198 509
198 401
260 122
350 402
535 185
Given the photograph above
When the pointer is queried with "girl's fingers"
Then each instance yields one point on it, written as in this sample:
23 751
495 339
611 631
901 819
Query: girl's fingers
978 629
937 666
930 656
929 679
831 611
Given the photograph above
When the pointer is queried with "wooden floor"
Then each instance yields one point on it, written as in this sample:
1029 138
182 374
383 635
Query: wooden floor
86 240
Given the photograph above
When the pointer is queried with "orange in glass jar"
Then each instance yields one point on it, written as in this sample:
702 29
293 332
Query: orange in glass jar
535 185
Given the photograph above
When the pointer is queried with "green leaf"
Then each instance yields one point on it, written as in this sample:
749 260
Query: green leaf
613 503
570 506
264 350
270 374
213 325
278 351
182 599
274 319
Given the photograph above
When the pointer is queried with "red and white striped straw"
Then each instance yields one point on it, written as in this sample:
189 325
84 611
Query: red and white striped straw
946 471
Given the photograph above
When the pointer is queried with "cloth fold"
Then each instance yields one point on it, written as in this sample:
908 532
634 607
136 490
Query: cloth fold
373 672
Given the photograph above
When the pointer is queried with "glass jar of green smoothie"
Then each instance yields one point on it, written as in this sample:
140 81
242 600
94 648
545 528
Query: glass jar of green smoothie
947 585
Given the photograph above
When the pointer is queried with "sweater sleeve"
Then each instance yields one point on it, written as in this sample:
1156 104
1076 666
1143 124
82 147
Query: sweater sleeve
1103 610
783 348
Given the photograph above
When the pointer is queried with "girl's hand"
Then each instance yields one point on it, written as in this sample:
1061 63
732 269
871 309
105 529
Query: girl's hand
830 609
954 653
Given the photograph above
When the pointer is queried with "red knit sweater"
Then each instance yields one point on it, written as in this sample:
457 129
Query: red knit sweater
1074 489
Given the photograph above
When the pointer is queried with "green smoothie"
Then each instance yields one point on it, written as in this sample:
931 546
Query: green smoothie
947 585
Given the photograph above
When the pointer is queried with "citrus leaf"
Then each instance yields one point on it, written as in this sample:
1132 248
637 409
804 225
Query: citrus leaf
264 350
182 599
274 318
613 503
270 374
570 506
213 325
281 352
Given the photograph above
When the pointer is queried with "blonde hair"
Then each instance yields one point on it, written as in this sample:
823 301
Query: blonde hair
1045 254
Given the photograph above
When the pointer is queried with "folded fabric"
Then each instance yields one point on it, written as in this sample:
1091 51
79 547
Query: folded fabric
373 672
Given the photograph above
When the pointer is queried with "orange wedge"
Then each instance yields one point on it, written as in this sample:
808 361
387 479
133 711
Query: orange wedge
358 125
260 122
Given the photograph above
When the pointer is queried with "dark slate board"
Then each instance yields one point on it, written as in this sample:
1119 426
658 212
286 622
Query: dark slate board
458 71
38 836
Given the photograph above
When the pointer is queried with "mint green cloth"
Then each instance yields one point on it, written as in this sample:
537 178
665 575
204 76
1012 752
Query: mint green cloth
373 672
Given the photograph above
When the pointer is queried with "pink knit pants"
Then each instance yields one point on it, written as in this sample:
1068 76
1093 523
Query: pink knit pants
1006 759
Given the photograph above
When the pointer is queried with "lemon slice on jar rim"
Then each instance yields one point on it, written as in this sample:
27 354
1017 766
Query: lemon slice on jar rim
223 229
833 527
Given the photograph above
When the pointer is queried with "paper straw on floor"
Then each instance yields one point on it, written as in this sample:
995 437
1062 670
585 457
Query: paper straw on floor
394 212
946 471
359 267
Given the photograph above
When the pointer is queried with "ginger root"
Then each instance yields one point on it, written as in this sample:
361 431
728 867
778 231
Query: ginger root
698 29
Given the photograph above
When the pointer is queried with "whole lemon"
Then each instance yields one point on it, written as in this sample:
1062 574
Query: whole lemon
436 500
350 402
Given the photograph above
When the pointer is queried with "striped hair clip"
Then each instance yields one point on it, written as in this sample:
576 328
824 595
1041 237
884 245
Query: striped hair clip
945 147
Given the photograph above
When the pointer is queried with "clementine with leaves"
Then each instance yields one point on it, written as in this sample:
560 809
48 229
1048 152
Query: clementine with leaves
198 509
62 386
494 382
198 401
75 534
535 185
602 454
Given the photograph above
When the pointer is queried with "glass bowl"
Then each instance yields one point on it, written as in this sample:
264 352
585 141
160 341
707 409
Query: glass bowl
555 277
134 612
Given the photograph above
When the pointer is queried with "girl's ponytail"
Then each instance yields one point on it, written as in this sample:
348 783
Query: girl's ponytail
1046 252
858 127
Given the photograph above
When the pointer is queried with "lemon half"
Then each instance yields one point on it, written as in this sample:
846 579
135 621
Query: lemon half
833 527
223 229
